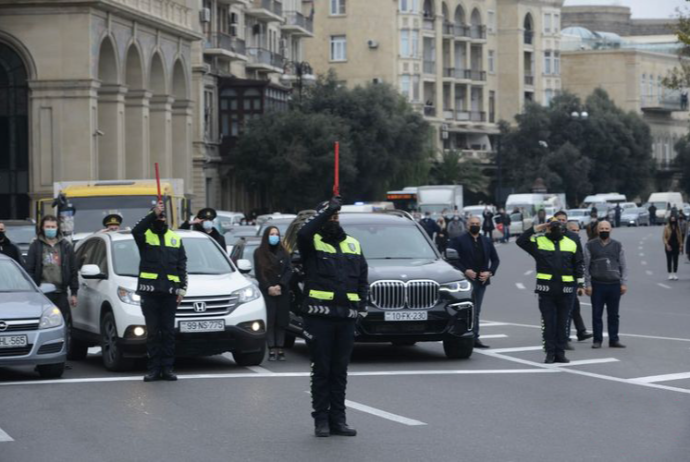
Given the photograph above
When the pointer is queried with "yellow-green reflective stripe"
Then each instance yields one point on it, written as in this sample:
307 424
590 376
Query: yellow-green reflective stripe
546 277
353 297
568 245
152 238
322 246
148 276
568 279
351 246
321 295
172 239
173 278
544 243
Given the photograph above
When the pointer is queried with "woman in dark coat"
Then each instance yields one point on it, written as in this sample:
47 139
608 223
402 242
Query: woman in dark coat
273 271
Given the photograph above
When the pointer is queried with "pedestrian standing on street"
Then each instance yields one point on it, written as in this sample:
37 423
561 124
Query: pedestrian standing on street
673 244
504 219
488 223
478 260
203 223
576 314
51 260
652 215
592 227
541 217
336 289
559 275
617 211
273 271
456 226
606 275
429 225
162 285
8 248
442 235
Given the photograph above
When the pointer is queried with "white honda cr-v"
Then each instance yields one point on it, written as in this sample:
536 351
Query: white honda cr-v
221 312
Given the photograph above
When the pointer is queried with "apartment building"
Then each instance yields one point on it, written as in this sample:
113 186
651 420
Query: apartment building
93 91
464 64
249 48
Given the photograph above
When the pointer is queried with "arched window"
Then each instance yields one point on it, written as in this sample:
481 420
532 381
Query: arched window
528 27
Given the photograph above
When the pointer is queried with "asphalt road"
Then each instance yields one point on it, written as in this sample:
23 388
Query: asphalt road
408 403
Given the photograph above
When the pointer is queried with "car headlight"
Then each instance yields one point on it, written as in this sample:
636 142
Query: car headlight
457 286
128 296
247 294
51 317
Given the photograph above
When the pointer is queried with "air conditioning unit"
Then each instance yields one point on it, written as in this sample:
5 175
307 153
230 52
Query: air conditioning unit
373 44
205 15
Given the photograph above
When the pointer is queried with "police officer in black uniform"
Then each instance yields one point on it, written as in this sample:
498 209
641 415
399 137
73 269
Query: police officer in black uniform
162 285
204 224
560 272
112 222
335 291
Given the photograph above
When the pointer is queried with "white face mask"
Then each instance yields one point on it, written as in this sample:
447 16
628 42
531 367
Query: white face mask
208 225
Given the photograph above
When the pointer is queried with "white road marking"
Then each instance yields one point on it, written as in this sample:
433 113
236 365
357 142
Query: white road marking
492 324
383 414
641 255
260 370
662 378
495 336
649 273
663 285
520 285
643 263
640 247
528 272
516 349
4 437
584 362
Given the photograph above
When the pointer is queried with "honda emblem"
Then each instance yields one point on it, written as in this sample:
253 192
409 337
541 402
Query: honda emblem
200 307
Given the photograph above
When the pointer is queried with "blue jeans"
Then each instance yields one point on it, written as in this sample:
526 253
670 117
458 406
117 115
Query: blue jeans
609 296
506 233
478 292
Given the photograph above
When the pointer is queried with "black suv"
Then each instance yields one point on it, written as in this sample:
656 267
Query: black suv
414 296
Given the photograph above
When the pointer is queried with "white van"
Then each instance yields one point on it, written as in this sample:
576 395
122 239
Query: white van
664 202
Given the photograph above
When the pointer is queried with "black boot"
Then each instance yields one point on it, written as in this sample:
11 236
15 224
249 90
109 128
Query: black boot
321 428
342 429
550 358
168 375
152 376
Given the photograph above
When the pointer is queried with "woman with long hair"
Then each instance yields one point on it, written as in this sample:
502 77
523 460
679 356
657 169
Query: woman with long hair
673 244
273 271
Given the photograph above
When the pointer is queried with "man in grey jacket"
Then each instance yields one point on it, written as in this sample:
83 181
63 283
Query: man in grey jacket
606 275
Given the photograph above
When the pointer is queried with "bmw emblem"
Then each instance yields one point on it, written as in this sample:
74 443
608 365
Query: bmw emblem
3 326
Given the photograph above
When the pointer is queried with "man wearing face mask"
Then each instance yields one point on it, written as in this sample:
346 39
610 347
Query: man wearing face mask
204 224
335 289
478 260
559 274
8 248
606 274
162 286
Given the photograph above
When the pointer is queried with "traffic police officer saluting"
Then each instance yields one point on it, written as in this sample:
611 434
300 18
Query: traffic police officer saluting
112 222
204 224
162 286
560 268
335 292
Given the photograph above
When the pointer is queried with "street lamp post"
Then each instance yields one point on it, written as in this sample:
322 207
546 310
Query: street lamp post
302 74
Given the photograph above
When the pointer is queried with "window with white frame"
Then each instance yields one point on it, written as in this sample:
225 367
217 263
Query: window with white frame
491 20
337 7
416 53
416 96
405 86
492 62
405 43
557 63
409 6
547 62
338 48
556 23
547 23
548 97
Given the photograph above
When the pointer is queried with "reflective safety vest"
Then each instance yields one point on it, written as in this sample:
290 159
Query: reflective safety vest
158 271
550 265
333 274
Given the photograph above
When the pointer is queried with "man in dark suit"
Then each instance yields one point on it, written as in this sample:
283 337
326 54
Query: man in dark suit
479 261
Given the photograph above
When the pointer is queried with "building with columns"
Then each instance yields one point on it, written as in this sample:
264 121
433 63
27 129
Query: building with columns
464 64
94 90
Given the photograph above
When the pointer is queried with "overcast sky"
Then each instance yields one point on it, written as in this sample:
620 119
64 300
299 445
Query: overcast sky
640 8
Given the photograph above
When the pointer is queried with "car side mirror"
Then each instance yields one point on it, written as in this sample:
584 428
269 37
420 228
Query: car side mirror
245 266
452 255
91 272
47 288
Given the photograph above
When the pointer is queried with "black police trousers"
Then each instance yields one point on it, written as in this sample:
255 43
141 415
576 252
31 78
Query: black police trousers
330 344
555 309
159 312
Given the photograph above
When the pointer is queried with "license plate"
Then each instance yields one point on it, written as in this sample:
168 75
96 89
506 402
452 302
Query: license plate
202 326
406 316
13 341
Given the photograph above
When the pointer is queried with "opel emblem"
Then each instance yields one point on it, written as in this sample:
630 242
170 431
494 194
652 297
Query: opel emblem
3 326
200 307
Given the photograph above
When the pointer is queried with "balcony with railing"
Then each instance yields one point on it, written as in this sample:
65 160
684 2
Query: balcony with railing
448 113
462 31
262 59
669 101
529 80
477 116
225 45
298 24
478 32
266 10
428 23
429 111
477 76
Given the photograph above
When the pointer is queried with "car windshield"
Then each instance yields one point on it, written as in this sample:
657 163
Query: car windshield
660 205
12 279
21 234
391 242
89 212
203 257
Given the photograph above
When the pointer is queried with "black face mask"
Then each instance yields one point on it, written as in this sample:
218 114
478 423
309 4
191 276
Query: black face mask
604 234
2 235
159 227
556 233
332 231
474 229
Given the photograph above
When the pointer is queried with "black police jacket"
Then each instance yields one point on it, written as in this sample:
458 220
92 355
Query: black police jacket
219 238
336 272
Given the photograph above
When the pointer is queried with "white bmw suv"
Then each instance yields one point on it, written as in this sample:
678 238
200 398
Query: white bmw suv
222 311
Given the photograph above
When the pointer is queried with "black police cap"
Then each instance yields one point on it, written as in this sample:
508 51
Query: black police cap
207 214
112 220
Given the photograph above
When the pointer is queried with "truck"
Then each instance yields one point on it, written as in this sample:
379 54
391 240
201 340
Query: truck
530 204
82 205
664 202
440 199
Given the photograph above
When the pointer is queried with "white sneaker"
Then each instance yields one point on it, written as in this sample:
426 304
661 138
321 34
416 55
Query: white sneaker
675 277
670 276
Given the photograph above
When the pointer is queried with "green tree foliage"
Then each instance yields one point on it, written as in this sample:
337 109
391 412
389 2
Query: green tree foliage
608 151
289 155
680 76
452 168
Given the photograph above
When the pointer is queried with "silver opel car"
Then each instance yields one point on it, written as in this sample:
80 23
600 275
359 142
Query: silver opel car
32 330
